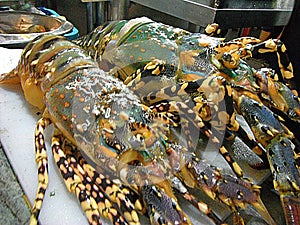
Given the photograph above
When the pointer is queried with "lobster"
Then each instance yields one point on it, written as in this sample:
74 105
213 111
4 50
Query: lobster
136 162
140 50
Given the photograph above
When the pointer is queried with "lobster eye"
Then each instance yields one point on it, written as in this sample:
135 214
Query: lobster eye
253 118
226 56
266 130
239 195
295 97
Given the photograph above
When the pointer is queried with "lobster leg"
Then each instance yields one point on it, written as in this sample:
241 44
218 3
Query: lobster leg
278 143
247 46
208 107
154 68
232 191
74 182
201 206
112 186
286 178
99 190
42 162
283 62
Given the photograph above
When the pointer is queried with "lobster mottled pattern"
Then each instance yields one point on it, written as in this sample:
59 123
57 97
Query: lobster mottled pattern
141 119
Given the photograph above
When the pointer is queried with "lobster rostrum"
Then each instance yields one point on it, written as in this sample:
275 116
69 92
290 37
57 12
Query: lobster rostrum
210 72
139 163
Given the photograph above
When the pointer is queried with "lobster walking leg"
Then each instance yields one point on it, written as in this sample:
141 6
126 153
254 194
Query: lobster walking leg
74 182
277 140
112 187
283 62
232 191
42 162
201 206
88 185
286 177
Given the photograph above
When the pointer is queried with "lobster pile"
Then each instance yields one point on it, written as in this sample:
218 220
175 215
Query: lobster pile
139 100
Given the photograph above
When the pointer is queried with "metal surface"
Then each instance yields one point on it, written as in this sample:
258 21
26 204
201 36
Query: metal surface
227 13
119 9
96 11
89 12
11 21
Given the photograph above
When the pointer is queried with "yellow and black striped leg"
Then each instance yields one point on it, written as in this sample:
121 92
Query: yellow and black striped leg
74 182
154 68
95 191
42 162
191 124
276 55
189 119
113 188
